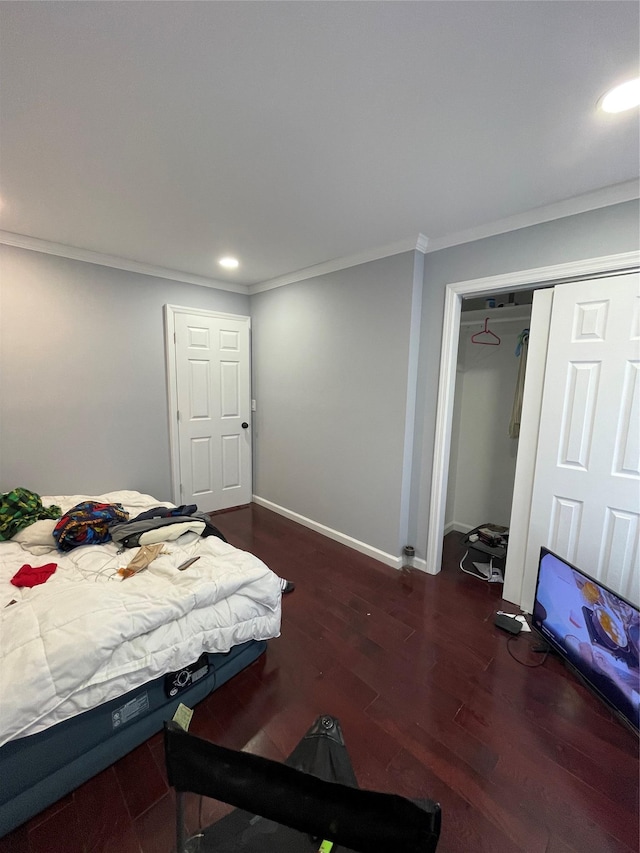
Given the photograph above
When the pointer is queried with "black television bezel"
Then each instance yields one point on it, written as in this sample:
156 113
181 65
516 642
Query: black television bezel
557 648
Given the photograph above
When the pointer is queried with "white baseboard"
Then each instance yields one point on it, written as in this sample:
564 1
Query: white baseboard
458 527
336 535
421 566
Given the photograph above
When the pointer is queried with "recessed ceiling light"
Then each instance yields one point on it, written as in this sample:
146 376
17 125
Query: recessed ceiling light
623 97
229 263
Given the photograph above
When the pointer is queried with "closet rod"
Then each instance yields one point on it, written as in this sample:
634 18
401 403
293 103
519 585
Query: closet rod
493 320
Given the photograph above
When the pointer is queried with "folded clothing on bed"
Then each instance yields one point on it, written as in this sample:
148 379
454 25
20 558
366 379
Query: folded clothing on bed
162 524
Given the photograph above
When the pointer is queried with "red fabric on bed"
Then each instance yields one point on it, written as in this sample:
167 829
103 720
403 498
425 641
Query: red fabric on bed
32 576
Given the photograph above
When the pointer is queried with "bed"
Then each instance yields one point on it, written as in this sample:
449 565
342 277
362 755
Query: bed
92 664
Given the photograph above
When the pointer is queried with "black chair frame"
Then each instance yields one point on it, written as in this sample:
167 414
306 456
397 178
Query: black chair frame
364 821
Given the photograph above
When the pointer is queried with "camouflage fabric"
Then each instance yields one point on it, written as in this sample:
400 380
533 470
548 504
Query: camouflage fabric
19 508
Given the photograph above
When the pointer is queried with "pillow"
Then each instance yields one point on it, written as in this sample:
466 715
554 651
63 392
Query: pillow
37 538
170 532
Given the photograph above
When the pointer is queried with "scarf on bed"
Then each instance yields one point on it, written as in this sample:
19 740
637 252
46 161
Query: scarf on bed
19 508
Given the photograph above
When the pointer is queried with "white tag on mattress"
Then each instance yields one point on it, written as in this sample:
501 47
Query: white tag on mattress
183 716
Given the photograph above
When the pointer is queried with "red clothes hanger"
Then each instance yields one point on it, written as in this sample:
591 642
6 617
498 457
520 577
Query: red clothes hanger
486 336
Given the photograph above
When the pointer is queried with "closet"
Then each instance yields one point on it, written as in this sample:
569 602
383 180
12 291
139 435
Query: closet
483 454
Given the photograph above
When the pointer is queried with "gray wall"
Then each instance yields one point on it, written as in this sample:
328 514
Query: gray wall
83 385
606 231
330 362
83 401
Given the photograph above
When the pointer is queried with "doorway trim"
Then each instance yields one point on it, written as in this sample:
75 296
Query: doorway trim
170 313
454 292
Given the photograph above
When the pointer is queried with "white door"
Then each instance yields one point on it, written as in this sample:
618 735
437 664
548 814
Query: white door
586 492
213 398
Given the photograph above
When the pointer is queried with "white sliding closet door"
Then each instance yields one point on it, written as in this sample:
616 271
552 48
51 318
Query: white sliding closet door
586 493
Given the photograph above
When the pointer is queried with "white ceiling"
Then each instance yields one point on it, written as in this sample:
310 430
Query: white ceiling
293 133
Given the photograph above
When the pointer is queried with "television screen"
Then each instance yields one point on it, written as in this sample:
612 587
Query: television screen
594 629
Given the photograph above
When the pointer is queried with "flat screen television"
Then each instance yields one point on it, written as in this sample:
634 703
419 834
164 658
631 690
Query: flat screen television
594 629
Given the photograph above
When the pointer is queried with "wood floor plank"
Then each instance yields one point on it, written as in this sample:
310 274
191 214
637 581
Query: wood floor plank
497 804
577 813
615 779
465 829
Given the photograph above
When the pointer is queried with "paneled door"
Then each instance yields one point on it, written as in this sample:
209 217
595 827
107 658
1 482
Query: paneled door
213 417
586 493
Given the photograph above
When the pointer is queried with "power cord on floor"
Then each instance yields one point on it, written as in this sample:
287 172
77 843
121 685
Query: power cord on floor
474 574
524 663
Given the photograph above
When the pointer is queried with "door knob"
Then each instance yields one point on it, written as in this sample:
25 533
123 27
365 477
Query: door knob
245 425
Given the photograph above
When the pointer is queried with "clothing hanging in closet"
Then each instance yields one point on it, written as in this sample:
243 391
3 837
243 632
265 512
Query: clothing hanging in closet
516 413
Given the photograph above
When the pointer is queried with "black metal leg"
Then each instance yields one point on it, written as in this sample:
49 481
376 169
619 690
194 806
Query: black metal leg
180 827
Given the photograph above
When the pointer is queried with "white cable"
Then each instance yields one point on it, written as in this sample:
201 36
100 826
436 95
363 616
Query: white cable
474 574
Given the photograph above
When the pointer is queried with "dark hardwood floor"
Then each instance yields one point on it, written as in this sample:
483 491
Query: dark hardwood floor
430 702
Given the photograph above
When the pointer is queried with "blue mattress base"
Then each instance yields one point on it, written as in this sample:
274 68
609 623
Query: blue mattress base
38 770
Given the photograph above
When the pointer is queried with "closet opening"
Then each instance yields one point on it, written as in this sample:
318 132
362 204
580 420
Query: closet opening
487 403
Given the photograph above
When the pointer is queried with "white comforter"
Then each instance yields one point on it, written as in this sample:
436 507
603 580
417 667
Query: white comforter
86 636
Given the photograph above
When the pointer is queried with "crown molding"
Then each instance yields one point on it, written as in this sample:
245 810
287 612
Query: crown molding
34 244
418 243
422 243
605 197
